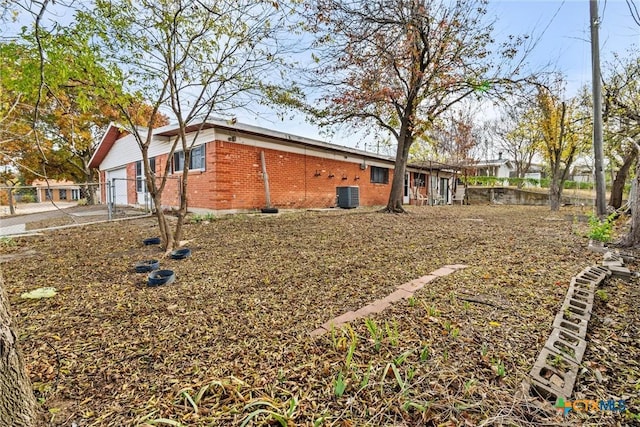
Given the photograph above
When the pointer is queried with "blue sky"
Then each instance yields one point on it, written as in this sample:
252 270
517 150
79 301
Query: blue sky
563 34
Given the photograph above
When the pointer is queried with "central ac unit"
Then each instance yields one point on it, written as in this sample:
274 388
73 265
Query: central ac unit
348 197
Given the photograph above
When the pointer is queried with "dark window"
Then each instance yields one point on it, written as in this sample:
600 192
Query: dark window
379 175
63 194
419 179
139 177
75 194
49 194
197 159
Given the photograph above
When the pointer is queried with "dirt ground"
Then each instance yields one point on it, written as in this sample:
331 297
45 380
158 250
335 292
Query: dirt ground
228 342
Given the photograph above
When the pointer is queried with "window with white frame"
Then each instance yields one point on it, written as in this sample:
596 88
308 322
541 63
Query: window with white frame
197 159
140 178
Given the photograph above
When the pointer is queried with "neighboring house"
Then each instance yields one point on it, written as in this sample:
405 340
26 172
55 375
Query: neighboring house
582 173
226 169
499 168
505 168
65 191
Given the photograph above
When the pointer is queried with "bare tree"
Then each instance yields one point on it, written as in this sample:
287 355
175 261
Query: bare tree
622 109
191 58
450 140
402 64
516 135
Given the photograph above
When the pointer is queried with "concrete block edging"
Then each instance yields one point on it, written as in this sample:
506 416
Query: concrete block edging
404 291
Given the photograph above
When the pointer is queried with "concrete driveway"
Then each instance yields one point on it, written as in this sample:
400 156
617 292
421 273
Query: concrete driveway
36 212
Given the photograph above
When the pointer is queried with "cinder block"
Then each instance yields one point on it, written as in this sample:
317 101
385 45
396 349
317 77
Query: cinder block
616 263
598 269
555 373
584 280
566 344
623 272
575 325
597 247
611 256
583 284
538 389
579 306
570 311
593 278
580 295
590 275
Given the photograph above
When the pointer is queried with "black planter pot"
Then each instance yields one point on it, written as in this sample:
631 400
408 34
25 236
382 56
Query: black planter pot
181 253
147 266
151 241
161 277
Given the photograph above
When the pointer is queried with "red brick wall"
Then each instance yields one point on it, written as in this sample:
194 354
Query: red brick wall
233 180
295 180
132 195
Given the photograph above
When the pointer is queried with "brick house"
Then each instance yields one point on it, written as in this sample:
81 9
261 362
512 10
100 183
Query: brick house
226 169
56 190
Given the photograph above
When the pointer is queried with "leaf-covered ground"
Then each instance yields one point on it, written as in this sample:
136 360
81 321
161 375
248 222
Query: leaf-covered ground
228 344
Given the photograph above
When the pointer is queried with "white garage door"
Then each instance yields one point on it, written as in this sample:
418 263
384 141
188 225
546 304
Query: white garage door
117 179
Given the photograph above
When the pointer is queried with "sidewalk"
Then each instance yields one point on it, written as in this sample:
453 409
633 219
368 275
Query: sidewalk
30 208
35 212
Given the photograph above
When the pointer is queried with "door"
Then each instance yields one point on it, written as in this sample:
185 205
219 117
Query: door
407 189
117 180
444 190
142 197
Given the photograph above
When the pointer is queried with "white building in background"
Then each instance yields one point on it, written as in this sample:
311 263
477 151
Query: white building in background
505 168
499 168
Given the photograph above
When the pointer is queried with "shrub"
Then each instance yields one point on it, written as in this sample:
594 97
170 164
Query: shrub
601 230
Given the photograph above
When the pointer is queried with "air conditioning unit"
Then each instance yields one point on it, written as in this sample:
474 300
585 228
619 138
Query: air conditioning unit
348 197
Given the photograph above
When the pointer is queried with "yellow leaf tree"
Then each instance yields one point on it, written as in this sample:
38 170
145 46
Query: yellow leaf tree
564 134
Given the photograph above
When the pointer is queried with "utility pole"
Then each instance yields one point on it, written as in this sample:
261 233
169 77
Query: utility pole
596 86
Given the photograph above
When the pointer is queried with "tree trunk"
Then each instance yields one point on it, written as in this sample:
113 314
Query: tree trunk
12 207
617 188
633 238
17 402
182 211
163 224
394 205
555 194
89 192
